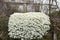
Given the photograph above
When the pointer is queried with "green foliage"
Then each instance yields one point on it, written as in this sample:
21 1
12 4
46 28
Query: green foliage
3 27
55 23
3 22
58 36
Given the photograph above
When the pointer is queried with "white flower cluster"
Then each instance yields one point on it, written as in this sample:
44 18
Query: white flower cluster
28 25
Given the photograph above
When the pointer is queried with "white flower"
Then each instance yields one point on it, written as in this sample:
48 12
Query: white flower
28 25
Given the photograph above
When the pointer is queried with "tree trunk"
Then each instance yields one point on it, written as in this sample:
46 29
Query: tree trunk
55 36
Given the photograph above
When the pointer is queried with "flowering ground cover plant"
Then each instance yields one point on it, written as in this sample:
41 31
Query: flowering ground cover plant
29 25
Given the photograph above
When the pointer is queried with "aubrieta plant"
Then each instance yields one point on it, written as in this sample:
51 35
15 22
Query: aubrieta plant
29 25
